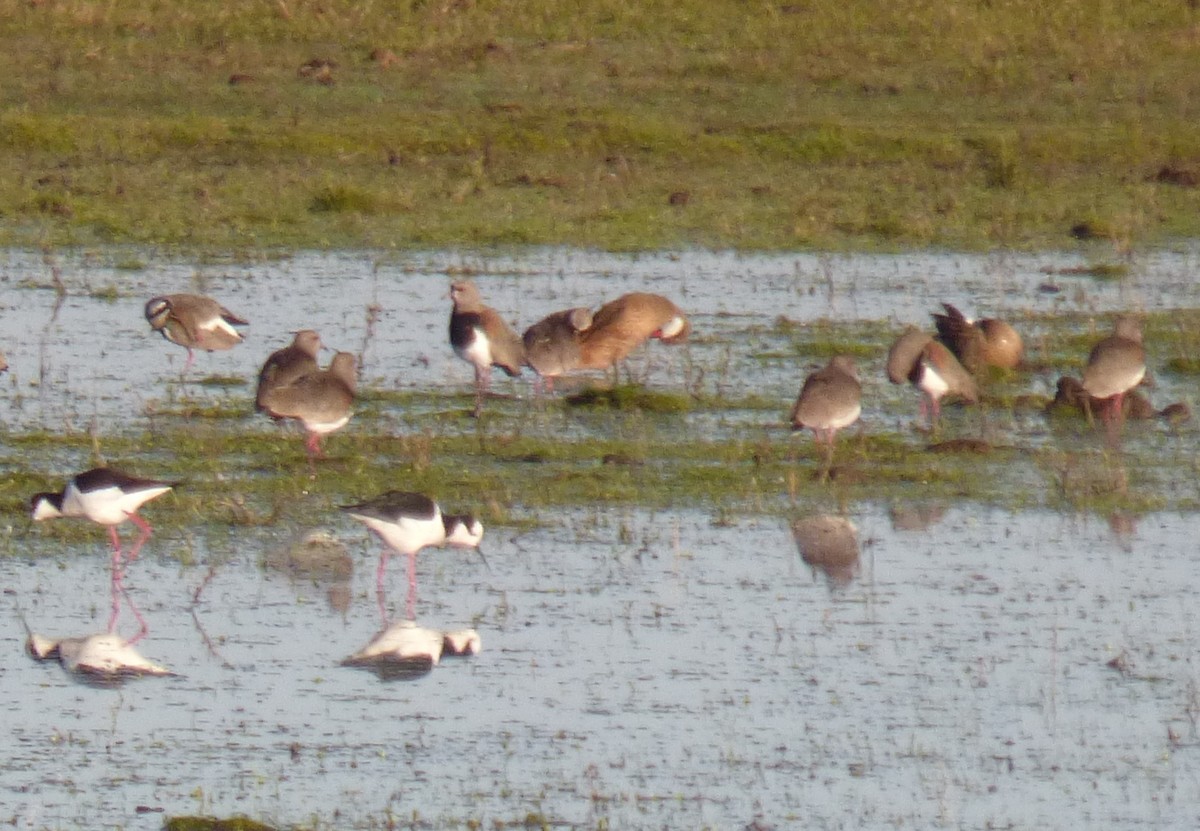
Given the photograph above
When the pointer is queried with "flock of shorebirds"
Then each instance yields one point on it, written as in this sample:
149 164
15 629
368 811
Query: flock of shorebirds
292 385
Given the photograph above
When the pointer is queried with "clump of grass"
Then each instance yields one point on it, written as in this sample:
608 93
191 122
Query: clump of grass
214 824
109 293
631 397
1101 271
1184 366
343 199
222 381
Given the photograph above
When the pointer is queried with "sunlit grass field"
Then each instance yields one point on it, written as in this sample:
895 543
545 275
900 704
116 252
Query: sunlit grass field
813 124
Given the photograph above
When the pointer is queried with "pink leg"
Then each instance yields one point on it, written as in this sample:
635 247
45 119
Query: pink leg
115 589
143 627
188 363
1114 415
313 446
117 555
137 546
380 591
482 376
411 605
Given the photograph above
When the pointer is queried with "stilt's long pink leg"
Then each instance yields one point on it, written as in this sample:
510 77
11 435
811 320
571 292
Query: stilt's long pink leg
411 605
380 592
137 546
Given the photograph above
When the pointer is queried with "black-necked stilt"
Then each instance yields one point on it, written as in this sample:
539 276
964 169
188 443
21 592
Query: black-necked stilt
408 522
1116 365
106 497
979 344
621 325
926 363
194 322
552 345
481 337
321 400
830 399
284 366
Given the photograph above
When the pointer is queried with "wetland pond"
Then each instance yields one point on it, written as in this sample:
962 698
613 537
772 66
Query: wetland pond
827 657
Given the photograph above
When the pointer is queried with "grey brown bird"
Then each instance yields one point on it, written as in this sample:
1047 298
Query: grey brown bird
284 366
621 325
979 344
1071 397
194 322
904 354
552 345
322 400
482 338
830 399
928 365
1116 365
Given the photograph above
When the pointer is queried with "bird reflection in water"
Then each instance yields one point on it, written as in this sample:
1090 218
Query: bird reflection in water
405 651
829 544
104 659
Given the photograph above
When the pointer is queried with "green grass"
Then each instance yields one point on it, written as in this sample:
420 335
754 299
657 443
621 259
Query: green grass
806 125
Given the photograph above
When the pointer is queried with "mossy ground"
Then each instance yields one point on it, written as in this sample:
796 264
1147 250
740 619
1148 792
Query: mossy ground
820 125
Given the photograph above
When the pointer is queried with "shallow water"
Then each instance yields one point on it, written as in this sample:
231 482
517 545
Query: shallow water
654 670
92 357
645 669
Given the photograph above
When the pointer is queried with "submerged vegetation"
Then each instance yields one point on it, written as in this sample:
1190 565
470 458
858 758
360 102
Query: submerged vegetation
624 126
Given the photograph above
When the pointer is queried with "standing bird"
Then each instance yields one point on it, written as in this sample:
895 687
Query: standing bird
106 497
1116 365
830 399
979 344
620 326
926 363
194 322
408 522
552 344
322 400
284 366
481 337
